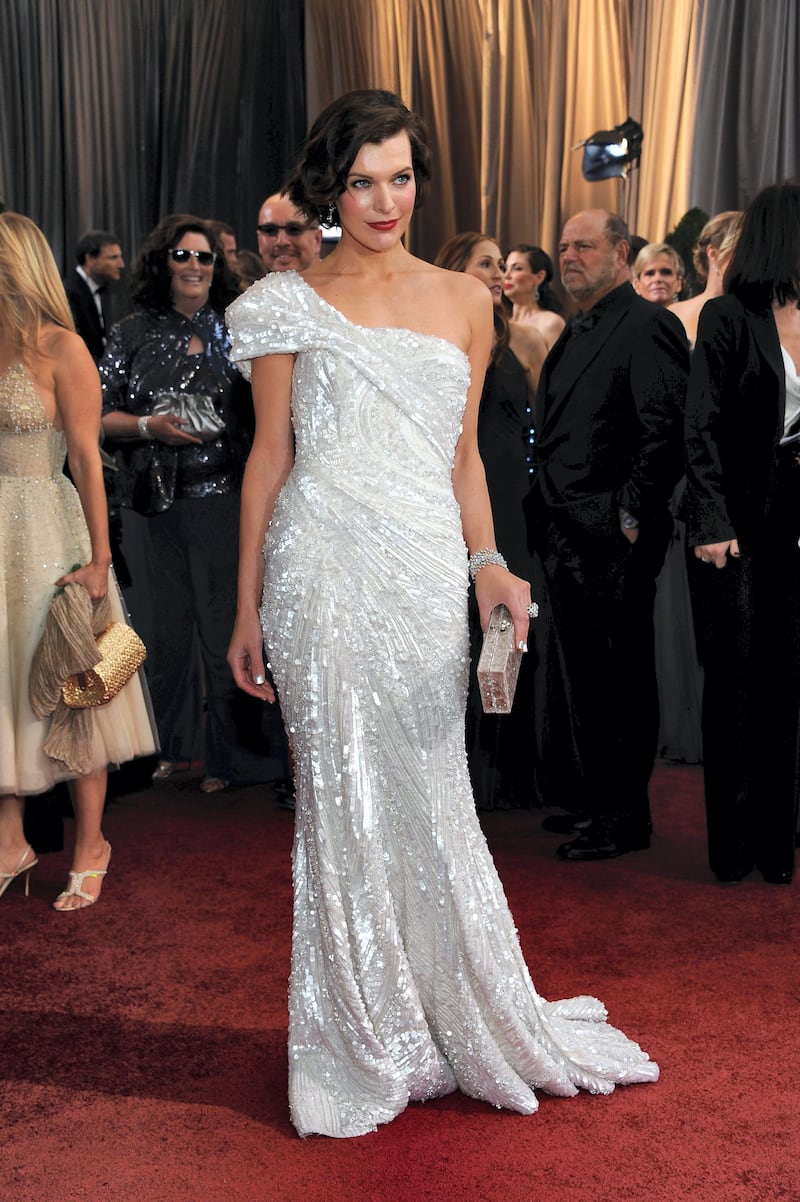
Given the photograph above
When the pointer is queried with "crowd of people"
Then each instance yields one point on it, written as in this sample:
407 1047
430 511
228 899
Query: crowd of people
300 446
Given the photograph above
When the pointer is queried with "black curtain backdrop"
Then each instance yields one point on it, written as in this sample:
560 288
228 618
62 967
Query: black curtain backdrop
115 113
747 133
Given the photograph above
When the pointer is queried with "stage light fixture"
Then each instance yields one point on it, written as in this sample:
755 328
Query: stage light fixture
611 153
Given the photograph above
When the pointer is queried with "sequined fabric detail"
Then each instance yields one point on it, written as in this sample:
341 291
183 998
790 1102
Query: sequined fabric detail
32 482
146 355
21 407
407 977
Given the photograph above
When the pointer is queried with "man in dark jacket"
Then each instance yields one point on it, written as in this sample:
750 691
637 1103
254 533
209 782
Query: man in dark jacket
608 423
100 263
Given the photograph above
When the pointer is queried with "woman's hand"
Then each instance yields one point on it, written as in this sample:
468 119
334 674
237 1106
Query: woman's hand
168 428
496 586
717 553
93 577
246 658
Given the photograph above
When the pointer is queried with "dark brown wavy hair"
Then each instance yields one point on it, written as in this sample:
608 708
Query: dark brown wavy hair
335 138
539 260
151 278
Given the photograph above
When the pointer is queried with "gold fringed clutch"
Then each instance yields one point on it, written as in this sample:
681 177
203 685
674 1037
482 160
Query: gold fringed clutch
498 666
122 653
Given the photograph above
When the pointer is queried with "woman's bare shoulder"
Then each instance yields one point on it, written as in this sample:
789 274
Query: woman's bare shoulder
550 322
687 308
528 340
57 344
456 289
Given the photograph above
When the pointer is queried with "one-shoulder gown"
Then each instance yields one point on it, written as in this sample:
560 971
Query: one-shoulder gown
407 978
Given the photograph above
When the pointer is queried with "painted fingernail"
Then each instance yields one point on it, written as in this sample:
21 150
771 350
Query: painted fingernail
258 679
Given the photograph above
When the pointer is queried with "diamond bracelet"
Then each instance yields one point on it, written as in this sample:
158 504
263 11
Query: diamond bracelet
482 559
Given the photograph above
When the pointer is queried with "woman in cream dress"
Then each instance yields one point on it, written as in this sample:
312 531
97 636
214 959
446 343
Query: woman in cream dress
49 409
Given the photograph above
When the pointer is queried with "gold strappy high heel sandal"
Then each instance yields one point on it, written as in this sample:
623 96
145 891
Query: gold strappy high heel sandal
75 887
22 869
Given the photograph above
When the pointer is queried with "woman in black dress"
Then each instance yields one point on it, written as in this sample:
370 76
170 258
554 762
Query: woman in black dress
502 764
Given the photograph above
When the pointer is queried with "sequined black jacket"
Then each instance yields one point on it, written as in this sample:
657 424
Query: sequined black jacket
146 354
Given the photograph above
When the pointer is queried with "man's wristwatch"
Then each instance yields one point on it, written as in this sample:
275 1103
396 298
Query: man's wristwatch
628 521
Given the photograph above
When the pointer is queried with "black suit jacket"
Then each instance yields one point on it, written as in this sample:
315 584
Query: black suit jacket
609 416
85 315
734 422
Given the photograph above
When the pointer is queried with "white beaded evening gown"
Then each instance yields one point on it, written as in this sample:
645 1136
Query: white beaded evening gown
407 978
43 535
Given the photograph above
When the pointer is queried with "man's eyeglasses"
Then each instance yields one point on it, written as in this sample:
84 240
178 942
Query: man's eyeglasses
182 254
292 229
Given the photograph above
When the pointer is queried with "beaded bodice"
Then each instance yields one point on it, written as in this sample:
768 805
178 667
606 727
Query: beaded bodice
30 446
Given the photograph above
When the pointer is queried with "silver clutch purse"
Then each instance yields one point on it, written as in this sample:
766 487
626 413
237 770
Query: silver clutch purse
196 408
498 666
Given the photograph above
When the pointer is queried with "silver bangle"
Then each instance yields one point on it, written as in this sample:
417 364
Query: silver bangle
144 426
483 558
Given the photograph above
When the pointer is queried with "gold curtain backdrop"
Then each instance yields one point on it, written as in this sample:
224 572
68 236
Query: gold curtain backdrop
508 88
117 112
663 95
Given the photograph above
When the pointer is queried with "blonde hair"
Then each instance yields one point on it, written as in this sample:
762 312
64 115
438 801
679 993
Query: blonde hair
727 243
651 251
716 232
31 291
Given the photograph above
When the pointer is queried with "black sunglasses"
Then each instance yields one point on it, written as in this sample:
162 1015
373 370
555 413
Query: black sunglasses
182 254
293 229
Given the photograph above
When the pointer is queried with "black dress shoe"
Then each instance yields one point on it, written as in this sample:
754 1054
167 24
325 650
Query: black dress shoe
777 878
734 871
283 792
565 824
599 844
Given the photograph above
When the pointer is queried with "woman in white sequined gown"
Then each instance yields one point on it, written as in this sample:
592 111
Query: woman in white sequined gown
407 978
50 408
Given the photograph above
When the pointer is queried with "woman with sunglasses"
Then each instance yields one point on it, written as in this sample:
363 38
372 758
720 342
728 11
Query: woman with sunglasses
181 474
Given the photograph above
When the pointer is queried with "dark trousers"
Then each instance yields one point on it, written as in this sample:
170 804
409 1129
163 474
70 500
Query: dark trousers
193 554
747 618
601 590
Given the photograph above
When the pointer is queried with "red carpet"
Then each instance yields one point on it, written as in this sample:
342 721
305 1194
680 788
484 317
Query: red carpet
143 1043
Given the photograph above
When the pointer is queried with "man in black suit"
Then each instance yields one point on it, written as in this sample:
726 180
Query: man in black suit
100 263
608 423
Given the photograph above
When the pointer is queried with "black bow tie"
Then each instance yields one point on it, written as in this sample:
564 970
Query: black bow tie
581 323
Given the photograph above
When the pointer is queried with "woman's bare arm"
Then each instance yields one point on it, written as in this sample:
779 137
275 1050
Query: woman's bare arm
268 465
76 392
493 584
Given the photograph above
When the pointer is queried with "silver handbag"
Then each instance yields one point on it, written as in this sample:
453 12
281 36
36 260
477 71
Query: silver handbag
498 666
197 410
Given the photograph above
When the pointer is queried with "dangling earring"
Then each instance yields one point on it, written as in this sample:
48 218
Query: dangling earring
536 294
330 215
